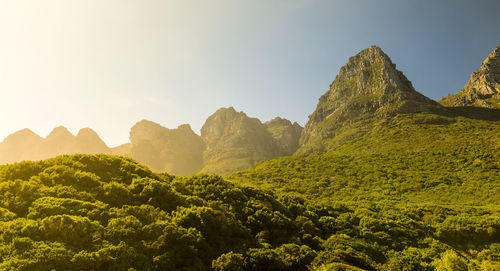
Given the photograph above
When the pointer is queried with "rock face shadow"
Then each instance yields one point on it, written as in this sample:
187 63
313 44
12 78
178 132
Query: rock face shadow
472 112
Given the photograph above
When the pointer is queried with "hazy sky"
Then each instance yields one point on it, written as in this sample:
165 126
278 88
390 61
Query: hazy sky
108 64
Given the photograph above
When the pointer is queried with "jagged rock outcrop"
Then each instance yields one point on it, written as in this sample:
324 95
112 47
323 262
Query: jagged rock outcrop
483 88
26 145
231 141
286 135
368 86
176 151
236 141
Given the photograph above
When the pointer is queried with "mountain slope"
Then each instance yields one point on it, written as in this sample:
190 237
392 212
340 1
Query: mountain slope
409 158
483 87
394 144
368 86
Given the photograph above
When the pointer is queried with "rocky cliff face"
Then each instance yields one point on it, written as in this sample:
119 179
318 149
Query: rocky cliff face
177 151
235 142
285 134
26 145
483 88
368 86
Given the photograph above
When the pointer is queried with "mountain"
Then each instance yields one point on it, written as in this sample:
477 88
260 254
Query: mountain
373 137
177 151
230 141
369 86
61 141
483 87
17 146
88 141
285 134
386 179
26 145
235 142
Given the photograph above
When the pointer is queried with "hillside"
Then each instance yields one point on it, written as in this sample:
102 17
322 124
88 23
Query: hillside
378 141
100 212
376 138
410 157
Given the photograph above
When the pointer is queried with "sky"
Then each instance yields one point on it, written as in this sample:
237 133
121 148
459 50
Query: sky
109 64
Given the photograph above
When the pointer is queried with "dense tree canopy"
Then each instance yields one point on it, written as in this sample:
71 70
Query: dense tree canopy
100 212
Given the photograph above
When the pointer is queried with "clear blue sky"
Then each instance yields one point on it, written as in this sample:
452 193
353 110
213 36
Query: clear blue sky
108 64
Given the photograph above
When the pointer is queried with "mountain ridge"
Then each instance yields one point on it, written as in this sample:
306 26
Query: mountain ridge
179 151
367 89
483 87
367 86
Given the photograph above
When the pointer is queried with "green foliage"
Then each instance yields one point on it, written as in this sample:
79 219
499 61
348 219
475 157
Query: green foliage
395 159
100 212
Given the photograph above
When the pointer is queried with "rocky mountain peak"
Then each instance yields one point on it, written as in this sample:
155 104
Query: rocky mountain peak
235 141
286 134
483 87
16 146
88 141
177 151
367 86
24 135
86 133
217 124
60 132
145 130
277 121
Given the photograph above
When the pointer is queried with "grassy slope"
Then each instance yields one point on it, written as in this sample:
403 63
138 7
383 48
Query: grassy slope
415 158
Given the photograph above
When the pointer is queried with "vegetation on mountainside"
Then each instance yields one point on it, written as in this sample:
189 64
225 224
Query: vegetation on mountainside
100 212
413 157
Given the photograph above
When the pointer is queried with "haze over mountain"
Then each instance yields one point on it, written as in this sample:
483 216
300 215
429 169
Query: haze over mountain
367 89
26 145
178 151
230 141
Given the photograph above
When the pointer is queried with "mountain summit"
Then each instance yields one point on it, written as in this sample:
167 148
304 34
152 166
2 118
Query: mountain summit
483 88
235 141
368 86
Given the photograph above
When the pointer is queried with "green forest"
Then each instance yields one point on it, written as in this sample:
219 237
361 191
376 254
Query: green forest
102 212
